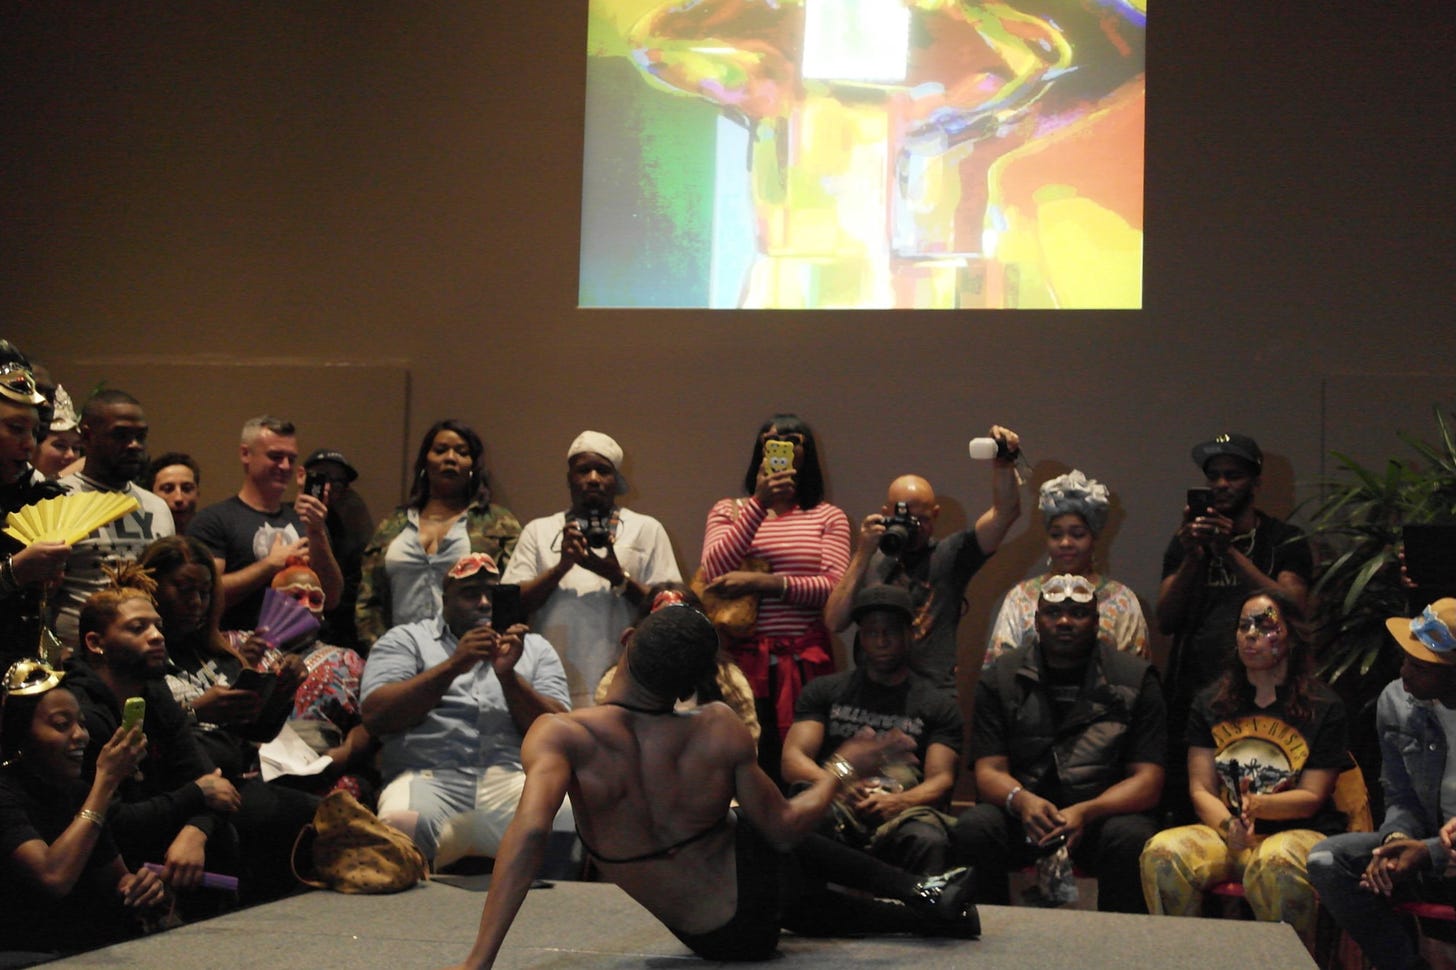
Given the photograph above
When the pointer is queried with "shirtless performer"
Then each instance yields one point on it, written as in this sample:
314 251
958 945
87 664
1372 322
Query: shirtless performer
650 789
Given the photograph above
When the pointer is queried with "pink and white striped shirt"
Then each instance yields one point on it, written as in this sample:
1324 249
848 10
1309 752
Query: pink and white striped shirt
808 547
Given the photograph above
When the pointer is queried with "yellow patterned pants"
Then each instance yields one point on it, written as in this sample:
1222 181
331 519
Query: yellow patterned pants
1179 864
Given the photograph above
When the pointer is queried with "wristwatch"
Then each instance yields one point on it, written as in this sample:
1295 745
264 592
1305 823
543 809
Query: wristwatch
621 587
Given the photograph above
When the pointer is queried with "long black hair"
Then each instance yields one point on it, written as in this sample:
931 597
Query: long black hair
1234 692
478 492
808 477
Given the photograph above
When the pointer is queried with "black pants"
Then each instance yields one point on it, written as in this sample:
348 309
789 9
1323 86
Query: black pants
991 840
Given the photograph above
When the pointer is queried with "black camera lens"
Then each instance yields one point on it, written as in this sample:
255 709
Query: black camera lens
893 539
597 531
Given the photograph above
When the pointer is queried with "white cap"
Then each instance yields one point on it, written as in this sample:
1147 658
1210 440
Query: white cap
600 444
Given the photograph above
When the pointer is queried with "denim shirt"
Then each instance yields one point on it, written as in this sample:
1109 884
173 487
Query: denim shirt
1413 761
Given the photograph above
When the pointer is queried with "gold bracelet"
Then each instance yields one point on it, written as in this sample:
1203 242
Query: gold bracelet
95 818
842 770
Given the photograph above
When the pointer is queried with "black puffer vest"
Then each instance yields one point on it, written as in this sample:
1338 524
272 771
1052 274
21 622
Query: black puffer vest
1086 752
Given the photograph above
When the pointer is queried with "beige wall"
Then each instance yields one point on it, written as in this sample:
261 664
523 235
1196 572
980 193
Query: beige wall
396 185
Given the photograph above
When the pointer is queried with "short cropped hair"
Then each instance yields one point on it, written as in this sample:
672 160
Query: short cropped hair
167 461
672 650
104 399
256 426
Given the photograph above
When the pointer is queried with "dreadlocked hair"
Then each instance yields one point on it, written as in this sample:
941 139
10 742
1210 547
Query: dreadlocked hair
129 581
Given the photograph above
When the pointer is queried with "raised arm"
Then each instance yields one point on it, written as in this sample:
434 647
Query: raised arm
1005 508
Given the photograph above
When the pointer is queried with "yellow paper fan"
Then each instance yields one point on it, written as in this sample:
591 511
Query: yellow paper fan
68 518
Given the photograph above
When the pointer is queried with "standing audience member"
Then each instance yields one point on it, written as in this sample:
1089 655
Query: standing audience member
584 572
1074 510
450 699
1359 875
1266 743
176 808
1219 555
64 887
448 515
177 480
253 533
350 526
935 571
62 446
895 817
726 684
114 432
786 523
23 569
1067 743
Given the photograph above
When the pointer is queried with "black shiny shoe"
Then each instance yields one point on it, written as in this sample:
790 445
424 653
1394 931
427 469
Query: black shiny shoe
947 902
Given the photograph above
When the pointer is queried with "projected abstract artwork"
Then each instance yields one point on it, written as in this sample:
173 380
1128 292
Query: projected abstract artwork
824 154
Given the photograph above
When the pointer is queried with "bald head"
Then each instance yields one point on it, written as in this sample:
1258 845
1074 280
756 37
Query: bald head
911 488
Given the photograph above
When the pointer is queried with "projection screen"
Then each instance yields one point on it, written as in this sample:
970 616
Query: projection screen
831 154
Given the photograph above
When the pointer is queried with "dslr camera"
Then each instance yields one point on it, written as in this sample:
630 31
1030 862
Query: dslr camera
597 528
899 525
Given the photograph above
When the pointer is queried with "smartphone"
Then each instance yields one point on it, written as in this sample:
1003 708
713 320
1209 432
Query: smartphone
314 484
133 712
505 607
1200 500
778 456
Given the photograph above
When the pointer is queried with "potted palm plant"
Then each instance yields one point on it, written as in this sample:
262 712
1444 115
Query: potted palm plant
1356 529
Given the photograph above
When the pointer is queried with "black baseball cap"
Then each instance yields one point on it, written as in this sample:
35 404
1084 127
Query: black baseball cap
1239 446
328 454
883 596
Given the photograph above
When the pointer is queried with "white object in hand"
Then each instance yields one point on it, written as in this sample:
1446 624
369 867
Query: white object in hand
983 448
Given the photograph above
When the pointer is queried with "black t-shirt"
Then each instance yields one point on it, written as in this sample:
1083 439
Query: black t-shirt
91 914
1263 745
240 535
936 577
848 701
1205 637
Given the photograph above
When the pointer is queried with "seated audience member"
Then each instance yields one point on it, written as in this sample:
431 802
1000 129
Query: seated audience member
1359 875
450 699
1067 743
651 788
1074 510
326 709
581 591
253 533
61 447
114 431
228 722
24 570
448 514
350 526
935 571
64 887
177 480
727 683
893 817
784 522
1266 744
175 809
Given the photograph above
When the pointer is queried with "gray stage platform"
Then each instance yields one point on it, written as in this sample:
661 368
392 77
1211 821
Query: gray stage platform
597 925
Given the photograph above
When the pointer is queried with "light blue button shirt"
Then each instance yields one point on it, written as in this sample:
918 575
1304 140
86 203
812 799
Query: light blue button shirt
471 727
